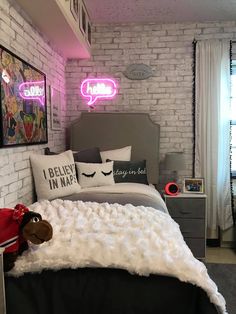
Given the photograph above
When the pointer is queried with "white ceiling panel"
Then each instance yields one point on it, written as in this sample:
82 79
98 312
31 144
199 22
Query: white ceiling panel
160 11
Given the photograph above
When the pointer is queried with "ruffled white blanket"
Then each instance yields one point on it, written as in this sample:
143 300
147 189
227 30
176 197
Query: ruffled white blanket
142 240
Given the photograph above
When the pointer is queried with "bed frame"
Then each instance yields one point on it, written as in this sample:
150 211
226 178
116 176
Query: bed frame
108 131
111 130
2 286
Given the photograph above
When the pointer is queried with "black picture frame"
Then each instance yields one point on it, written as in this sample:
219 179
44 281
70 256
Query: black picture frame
56 103
23 108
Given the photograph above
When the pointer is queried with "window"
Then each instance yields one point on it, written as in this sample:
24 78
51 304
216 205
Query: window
233 108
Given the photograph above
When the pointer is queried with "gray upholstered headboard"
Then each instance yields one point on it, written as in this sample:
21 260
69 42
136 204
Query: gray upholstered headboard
111 130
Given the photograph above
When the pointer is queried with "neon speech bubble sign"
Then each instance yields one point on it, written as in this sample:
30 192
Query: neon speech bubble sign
95 89
32 90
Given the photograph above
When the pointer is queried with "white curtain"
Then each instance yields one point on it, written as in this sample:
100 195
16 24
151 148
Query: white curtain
212 130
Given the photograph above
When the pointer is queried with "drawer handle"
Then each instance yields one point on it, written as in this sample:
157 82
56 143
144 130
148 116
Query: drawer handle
185 212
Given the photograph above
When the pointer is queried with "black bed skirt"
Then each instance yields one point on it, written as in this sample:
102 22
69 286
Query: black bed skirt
103 291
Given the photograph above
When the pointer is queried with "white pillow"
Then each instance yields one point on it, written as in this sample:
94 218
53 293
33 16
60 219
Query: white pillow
92 174
123 153
54 175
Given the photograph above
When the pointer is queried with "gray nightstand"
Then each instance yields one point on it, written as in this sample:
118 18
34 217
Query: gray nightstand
189 211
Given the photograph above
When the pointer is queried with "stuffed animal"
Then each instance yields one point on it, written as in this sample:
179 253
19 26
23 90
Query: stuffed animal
17 226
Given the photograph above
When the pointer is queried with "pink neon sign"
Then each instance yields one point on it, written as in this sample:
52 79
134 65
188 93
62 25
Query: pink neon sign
32 90
95 89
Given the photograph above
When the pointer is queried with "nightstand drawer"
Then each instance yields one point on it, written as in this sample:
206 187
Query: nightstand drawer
191 228
186 207
189 211
197 246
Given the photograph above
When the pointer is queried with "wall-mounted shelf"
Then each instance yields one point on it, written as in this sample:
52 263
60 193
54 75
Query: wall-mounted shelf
55 20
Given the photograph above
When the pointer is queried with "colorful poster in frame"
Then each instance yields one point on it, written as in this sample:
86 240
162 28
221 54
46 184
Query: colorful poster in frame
23 110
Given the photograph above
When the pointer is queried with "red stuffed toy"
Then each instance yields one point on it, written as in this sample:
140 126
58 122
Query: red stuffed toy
17 226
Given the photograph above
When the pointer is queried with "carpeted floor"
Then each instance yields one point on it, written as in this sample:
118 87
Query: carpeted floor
224 276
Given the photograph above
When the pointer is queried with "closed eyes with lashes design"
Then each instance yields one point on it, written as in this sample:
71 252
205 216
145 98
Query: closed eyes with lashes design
95 175
106 173
91 175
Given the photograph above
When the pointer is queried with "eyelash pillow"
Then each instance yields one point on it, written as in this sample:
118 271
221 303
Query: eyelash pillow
91 174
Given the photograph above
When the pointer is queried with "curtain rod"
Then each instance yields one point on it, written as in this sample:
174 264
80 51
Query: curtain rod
195 40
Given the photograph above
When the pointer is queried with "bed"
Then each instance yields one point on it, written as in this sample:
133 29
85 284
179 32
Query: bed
115 249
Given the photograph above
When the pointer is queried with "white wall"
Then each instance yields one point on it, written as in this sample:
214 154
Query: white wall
167 96
19 36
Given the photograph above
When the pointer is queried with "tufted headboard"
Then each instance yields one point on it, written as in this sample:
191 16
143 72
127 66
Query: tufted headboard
112 130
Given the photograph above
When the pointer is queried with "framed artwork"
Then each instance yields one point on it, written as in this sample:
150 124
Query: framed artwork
23 110
74 8
56 101
83 19
193 185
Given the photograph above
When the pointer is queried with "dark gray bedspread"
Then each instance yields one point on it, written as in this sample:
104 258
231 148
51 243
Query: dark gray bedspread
120 198
103 291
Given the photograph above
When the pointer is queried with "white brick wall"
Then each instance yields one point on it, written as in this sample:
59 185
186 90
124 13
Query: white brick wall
167 96
18 35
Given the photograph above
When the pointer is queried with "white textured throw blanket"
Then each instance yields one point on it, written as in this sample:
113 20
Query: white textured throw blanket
142 240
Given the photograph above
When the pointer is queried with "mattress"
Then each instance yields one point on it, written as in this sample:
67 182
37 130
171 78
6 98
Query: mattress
122 193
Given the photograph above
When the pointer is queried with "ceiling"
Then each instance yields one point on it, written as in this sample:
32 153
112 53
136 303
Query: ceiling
160 11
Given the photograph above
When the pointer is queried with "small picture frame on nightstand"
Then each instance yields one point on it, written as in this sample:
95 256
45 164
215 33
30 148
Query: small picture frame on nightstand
193 185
